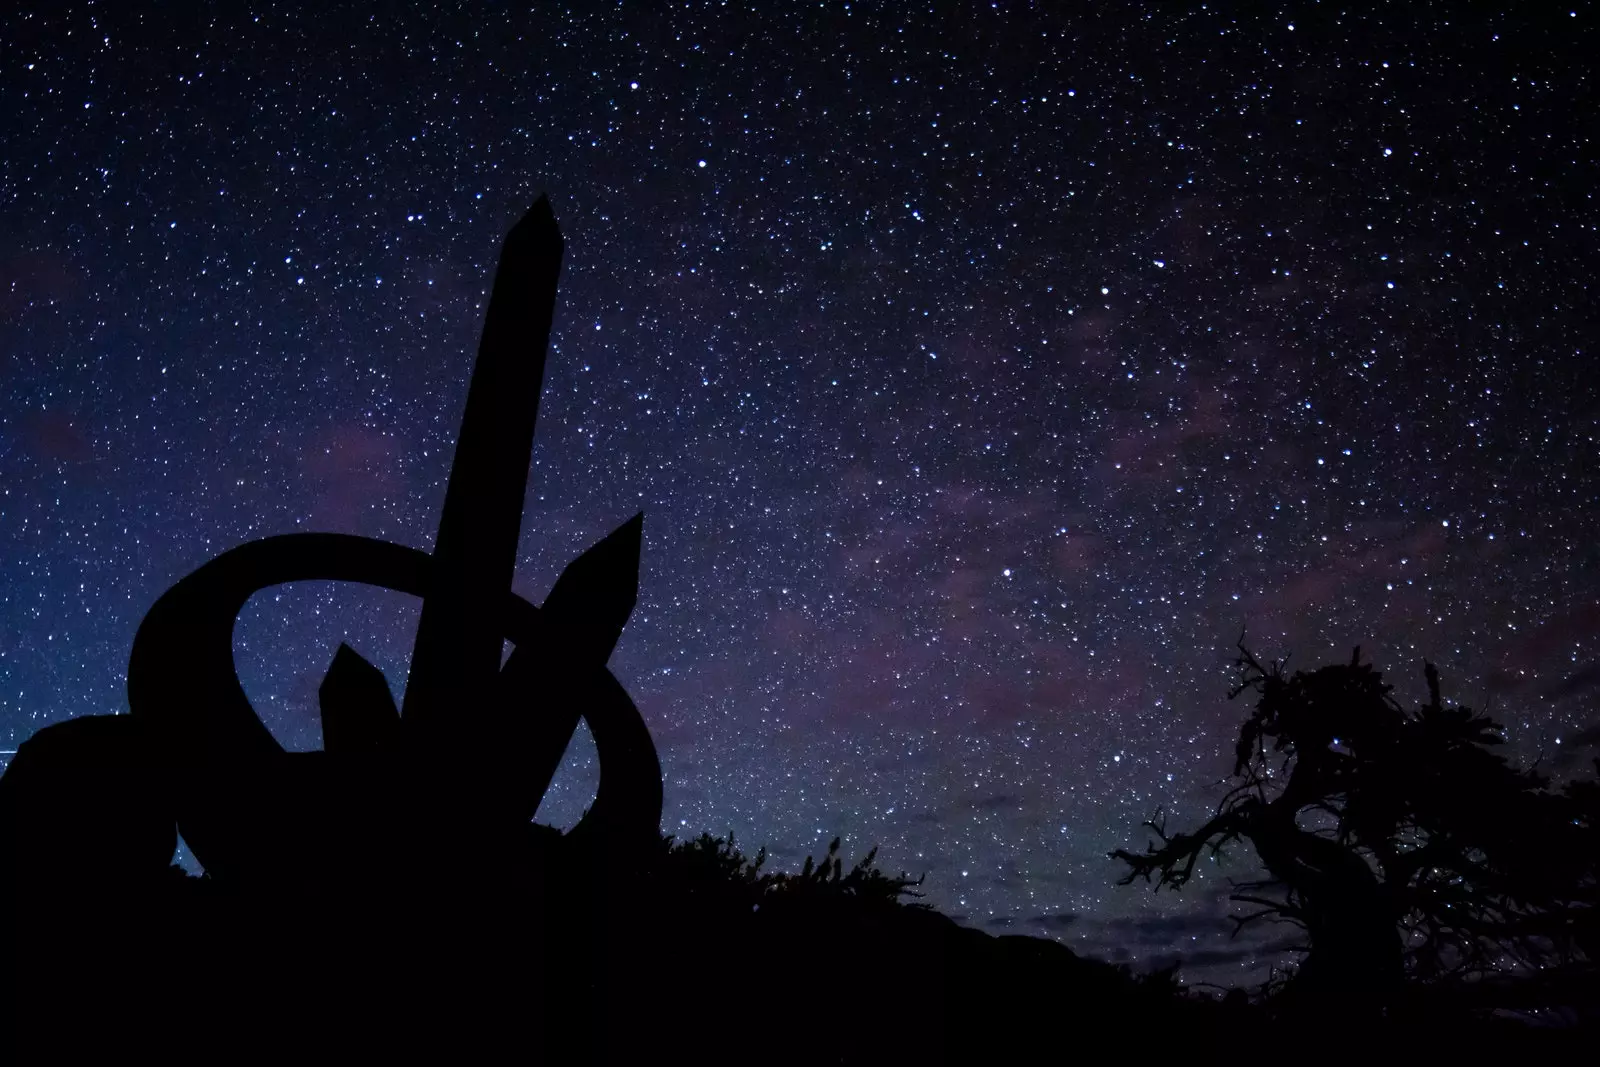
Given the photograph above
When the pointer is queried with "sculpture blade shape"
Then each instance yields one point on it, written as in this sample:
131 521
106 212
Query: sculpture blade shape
594 596
358 712
456 657
585 612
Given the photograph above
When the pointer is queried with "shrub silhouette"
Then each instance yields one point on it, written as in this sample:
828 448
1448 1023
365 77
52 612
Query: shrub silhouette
1404 846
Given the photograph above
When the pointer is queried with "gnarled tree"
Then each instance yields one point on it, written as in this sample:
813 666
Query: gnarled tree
1400 842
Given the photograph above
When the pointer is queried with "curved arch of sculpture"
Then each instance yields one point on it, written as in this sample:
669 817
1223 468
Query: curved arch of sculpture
183 686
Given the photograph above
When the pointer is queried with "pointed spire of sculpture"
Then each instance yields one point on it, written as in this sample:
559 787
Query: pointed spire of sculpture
594 596
585 613
358 712
460 638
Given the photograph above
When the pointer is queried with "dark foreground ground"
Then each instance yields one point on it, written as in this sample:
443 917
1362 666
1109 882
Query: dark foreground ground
697 959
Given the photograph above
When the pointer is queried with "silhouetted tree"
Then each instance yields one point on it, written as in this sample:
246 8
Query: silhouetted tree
1400 841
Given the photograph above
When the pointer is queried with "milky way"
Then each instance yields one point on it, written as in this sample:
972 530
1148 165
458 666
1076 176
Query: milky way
982 377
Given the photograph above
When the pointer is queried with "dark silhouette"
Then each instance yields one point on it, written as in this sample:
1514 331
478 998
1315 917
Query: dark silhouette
390 895
1409 852
326 869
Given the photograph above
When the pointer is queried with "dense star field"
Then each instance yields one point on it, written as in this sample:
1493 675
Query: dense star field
981 375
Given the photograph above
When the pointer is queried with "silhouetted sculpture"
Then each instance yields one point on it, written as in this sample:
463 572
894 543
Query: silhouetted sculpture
1400 843
332 854
358 712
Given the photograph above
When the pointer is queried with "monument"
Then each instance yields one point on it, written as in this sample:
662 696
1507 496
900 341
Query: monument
349 860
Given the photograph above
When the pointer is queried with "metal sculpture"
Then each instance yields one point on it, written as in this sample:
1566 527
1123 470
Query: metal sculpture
472 755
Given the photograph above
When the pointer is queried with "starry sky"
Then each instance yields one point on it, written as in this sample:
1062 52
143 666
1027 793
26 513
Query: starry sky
982 371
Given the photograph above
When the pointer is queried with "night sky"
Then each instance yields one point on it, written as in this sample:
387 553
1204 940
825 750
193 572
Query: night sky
981 375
